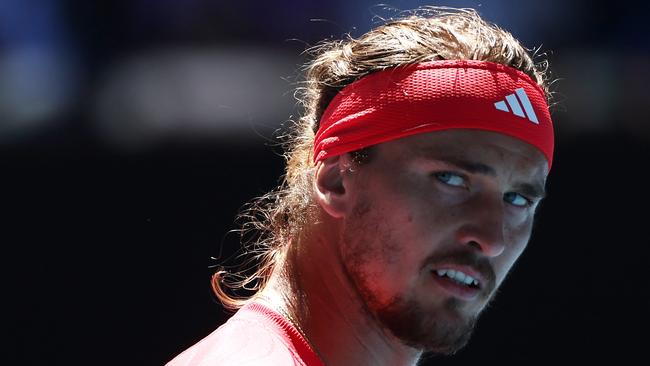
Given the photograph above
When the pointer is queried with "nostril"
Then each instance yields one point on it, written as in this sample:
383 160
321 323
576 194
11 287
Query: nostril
474 245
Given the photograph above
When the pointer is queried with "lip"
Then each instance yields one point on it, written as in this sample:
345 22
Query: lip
465 269
455 289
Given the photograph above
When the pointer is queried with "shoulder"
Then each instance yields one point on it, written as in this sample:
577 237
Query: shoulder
242 340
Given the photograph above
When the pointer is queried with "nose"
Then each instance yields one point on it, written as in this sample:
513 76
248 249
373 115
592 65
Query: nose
483 228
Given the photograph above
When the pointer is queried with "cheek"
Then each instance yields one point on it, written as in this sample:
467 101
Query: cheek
516 240
379 253
370 258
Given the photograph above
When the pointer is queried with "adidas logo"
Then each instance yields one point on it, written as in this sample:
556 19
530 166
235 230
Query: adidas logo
513 102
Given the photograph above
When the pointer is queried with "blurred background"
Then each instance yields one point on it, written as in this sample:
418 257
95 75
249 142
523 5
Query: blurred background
131 132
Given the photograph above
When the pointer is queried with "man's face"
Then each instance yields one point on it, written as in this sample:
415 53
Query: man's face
427 205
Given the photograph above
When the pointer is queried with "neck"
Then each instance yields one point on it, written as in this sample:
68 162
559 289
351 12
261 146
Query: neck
313 287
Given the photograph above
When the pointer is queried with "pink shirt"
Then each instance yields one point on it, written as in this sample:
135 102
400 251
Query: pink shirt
255 335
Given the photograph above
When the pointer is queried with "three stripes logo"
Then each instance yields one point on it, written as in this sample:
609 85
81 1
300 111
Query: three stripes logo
513 100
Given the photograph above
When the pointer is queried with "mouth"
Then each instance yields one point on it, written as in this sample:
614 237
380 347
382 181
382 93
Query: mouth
458 283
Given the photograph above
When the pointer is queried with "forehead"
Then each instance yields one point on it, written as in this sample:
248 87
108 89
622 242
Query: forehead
504 154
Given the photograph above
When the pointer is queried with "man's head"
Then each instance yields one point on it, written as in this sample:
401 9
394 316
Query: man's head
423 206
419 208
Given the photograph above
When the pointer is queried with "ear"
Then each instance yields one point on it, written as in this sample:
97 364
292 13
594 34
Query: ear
330 183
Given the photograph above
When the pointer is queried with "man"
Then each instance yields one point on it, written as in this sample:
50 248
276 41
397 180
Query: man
412 182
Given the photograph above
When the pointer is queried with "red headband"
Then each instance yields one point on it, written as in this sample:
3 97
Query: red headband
434 96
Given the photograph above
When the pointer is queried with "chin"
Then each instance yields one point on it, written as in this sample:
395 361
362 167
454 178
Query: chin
442 331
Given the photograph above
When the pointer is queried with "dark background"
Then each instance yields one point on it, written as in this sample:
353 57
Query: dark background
131 132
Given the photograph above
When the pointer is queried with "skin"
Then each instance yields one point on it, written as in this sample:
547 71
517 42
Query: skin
421 203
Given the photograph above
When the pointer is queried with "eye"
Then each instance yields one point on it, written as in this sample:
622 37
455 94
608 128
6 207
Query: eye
451 179
516 199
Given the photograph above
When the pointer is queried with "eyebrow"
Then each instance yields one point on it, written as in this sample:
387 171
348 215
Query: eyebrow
471 166
534 191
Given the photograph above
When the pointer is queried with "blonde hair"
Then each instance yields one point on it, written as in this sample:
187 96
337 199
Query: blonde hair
426 34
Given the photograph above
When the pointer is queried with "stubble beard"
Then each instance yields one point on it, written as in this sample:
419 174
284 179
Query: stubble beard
442 331
427 330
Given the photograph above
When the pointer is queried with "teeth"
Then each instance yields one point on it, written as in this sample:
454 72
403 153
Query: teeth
457 276
460 277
